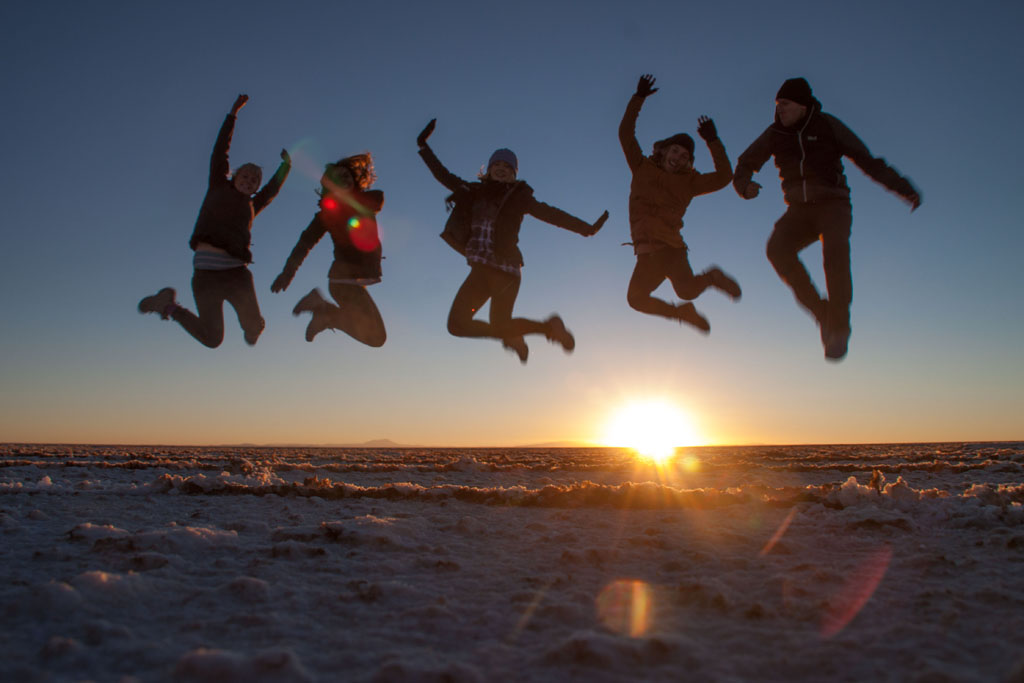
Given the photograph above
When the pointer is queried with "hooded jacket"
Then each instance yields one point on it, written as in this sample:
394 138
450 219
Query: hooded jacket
809 158
658 199
516 203
225 218
351 219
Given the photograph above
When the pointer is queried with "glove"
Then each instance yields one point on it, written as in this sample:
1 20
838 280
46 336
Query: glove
598 223
706 129
282 281
645 86
421 139
915 201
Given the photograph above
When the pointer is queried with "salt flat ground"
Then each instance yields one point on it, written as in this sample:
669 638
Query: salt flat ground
832 563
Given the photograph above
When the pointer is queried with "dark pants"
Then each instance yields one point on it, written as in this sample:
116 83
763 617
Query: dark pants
652 269
798 228
483 283
356 314
211 288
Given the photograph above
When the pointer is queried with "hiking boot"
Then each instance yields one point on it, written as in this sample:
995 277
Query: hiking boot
719 280
687 313
311 302
318 324
836 343
517 344
162 302
558 333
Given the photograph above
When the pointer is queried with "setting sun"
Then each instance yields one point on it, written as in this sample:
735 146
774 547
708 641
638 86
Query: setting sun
653 428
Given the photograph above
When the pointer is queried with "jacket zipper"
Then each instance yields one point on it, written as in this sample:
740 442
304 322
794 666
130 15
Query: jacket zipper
803 155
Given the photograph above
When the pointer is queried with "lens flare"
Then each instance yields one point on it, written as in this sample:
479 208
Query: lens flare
353 223
852 597
329 203
624 606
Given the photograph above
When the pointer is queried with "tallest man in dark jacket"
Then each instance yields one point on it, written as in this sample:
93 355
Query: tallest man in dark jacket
808 146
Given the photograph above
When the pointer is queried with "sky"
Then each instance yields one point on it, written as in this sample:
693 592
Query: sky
111 110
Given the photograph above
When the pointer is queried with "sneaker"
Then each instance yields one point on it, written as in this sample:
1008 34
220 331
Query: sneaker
687 313
558 333
162 302
317 325
719 280
311 302
517 344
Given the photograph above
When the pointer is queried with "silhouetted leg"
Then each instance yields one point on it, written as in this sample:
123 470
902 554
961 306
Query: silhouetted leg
356 314
687 286
472 295
835 247
209 292
648 274
242 295
795 231
506 289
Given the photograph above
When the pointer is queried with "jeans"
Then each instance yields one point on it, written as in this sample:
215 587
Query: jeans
211 288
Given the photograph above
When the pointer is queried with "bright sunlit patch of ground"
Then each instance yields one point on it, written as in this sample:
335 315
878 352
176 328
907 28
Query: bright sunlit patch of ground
653 428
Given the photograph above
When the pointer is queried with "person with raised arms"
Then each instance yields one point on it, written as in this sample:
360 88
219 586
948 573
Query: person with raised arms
348 211
808 146
221 241
661 189
484 224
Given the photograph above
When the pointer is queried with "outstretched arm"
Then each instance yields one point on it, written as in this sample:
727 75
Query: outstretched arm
627 127
562 219
875 167
307 240
270 190
219 165
720 177
749 163
443 175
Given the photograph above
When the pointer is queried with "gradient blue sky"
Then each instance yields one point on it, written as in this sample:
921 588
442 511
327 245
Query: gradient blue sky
111 108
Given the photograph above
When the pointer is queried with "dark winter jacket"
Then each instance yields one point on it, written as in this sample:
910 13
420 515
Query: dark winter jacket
516 203
225 218
809 158
351 219
658 199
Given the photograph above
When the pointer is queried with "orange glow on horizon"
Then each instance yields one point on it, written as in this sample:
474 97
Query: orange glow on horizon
654 428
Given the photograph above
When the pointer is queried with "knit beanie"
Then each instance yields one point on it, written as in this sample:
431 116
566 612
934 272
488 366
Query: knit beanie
796 90
506 155
681 139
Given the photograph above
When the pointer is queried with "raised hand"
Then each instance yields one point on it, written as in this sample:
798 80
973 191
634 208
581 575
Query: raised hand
281 282
598 223
706 129
285 157
645 86
421 139
915 201
239 103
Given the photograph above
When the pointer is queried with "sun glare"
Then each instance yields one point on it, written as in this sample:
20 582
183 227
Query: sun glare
653 428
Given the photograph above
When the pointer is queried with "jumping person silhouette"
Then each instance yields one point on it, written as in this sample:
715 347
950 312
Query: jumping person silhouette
484 227
662 187
221 241
808 146
348 211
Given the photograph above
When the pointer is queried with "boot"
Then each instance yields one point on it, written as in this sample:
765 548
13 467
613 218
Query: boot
719 280
687 313
311 302
162 302
558 333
